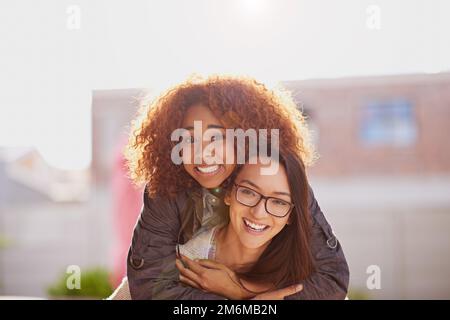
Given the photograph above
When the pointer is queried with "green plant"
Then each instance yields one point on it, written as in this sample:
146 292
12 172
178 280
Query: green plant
4 242
358 294
94 283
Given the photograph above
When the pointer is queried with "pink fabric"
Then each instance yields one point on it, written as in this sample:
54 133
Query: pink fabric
127 204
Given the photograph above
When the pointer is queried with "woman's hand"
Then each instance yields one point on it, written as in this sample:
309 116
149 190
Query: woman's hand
280 293
211 276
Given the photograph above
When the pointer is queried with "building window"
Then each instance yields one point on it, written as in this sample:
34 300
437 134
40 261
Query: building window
388 123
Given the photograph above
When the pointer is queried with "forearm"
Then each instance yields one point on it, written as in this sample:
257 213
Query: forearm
151 267
323 286
161 282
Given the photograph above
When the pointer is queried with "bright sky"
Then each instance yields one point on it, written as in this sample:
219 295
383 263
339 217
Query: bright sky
48 66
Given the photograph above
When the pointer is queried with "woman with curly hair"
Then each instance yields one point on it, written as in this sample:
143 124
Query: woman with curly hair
182 200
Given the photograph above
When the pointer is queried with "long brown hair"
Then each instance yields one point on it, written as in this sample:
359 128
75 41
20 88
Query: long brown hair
287 259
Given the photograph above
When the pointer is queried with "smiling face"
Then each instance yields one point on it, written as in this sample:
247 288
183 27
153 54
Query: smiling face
208 175
254 226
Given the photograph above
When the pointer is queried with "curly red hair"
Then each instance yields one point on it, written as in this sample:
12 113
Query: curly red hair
239 102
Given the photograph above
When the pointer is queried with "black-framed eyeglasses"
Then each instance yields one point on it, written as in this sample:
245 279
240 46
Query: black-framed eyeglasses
274 206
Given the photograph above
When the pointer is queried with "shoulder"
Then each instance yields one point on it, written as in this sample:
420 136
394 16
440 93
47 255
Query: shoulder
168 201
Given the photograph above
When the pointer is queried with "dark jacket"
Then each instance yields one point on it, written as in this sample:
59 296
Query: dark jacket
151 267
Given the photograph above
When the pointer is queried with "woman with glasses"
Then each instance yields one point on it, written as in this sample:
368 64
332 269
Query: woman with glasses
264 244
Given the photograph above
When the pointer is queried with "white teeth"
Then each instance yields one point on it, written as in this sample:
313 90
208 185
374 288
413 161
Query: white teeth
254 226
209 169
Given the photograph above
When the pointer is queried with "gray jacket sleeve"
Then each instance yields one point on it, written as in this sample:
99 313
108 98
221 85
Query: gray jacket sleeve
331 277
151 269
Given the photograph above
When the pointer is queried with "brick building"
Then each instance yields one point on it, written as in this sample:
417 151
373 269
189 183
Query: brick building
379 125
383 177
